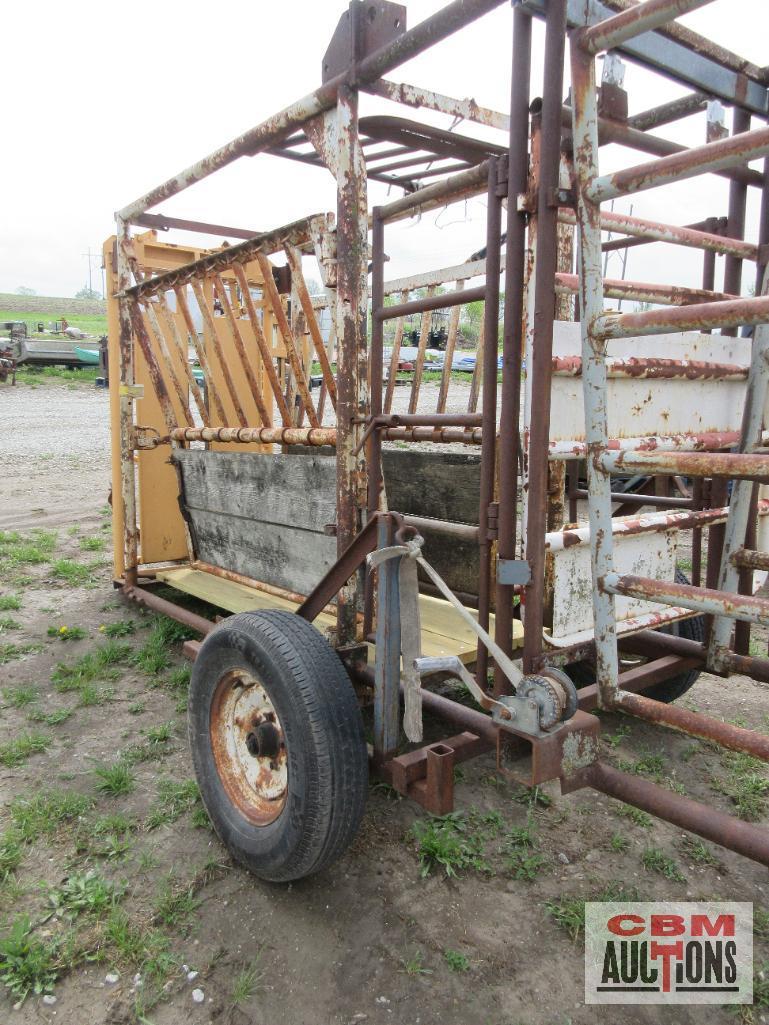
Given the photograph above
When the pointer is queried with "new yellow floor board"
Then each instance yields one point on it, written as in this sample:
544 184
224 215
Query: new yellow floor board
444 632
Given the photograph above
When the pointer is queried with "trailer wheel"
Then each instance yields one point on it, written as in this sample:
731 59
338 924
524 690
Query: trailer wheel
277 744
583 673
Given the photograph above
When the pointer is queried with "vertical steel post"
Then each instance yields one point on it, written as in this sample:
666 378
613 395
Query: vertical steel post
351 303
544 313
510 399
388 649
489 404
126 393
376 368
585 134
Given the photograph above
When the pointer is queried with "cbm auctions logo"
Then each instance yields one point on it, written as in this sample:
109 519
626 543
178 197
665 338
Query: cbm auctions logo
668 953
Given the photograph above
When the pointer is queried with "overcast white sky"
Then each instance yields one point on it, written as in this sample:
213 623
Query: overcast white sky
103 101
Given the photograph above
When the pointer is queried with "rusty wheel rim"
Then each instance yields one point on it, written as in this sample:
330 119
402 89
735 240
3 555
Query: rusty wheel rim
248 747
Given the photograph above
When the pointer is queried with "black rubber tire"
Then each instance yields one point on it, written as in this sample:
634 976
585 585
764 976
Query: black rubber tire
323 730
583 673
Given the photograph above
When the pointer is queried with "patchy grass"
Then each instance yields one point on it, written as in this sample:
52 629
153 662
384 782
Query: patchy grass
640 818
92 544
569 912
174 906
9 603
17 751
174 799
10 854
744 784
619 842
114 780
13 652
91 694
30 550
655 860
9 623
50 718
695 850
155 654
444 841
76 574
99 664
20 697
45 812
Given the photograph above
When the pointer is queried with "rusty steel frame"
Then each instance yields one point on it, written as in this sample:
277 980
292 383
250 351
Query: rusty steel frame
536 205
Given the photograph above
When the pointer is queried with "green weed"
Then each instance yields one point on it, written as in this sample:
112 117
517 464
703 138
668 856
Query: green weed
154 655
247 983
745 785
9 623
655 860
695 850
27 964
91 694
9 603
414 965
88 894
120 628
175 906
619 842
445 841
67 633
568 913
456 961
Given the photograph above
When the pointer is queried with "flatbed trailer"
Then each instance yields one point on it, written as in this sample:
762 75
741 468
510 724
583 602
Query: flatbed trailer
350 573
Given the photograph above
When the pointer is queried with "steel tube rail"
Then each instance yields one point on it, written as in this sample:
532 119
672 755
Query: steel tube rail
686 596
275 129
665 295
376 363
736 738
460 531
455 188
167 608
314 436
414 96
731 313
644 17
735 151
742 837
295 233
735 466
666 113
515 264
430 302
655 231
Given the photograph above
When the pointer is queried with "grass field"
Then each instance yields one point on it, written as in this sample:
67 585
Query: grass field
91 324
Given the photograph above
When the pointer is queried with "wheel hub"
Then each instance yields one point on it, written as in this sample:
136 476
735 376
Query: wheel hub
248 747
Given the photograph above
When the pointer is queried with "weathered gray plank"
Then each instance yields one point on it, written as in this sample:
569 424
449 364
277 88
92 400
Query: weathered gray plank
280 555
444 485
266 488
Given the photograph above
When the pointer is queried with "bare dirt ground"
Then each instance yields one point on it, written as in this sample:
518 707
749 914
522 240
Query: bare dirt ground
113 881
